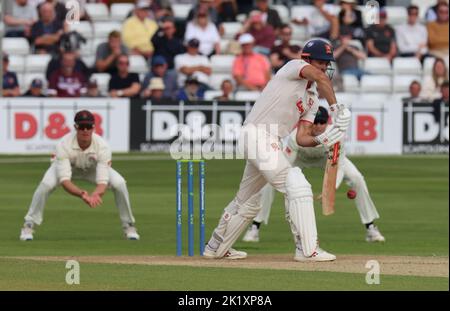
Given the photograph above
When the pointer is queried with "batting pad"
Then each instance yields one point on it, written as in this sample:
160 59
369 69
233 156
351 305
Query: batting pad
301 209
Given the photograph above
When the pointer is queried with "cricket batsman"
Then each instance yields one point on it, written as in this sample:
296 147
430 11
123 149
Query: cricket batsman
81 155
316 157
289 98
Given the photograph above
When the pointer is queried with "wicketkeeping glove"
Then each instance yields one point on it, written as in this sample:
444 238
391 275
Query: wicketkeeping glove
331 136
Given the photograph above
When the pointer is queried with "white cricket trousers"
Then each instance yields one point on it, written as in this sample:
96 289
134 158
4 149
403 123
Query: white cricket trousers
50 181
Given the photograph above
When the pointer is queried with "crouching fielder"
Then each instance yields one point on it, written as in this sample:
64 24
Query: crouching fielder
290 96
81 155
316 157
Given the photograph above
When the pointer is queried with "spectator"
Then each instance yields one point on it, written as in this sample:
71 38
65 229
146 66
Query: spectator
108 52
92 89
322 22
166 43
138 30
19 17
438 33
59 8
10 83
347 55
442 100
412 37
160 70
155 89
351 17
284 51
192 62
415 88
263 34
124 83
35 89
66 81
204 5
192 90
250 69
207 33
269 16
381 39
432 13
227 11
432 84
47 31
227 91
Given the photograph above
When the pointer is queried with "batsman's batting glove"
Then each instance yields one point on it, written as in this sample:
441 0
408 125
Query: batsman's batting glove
341 116
331 136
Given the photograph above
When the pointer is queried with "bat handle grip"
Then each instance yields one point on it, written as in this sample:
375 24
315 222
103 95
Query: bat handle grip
335 153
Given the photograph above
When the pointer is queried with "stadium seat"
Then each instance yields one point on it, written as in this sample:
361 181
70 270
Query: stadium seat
401 83
396 15
247 95
138 64
373 98
37 63
119 11
102 81
351 83
231 29
222 63
299 32
97 11
302 11
283 11
376 84
407 66
209 95
181 11
89 60
428 65
377 65
16 46
216 79
346 98
423 6
102 29
84 28
86 48
16 63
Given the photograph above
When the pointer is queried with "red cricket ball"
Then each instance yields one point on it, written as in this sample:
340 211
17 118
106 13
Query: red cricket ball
351 194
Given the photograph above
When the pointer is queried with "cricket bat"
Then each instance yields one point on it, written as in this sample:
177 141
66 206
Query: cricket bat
329 181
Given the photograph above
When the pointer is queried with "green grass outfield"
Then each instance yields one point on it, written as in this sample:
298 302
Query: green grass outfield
411 194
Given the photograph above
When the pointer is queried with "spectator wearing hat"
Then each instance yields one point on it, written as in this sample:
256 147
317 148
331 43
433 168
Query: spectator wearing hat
160 70
124 83
348 55
19 16
108 52
381 39
10 83
263 34
285 50
166 43
67 81
269 16
138 30
92 89
47 31
350 16
412 37
192 90
36 89
192 62
251 70
206 31
156 89
438 33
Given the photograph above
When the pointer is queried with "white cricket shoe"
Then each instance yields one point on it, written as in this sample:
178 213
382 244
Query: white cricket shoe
318 255
252 234
374 235
131 233
232 254
26 234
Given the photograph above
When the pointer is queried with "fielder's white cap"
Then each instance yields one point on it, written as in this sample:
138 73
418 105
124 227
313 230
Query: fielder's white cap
246 38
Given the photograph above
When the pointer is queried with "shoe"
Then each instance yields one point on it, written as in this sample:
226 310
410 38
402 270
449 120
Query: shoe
131 233
318 255
232 254
374 235
26 234
252 234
